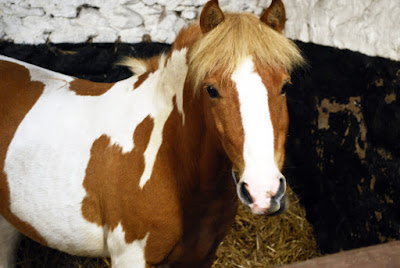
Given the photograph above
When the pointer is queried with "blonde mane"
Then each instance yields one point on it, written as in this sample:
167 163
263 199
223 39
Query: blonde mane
223 48
239 36
140 66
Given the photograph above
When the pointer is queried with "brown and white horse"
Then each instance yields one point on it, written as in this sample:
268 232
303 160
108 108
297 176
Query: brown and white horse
141 170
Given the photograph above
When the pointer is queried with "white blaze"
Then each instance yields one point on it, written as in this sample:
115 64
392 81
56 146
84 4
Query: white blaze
261 173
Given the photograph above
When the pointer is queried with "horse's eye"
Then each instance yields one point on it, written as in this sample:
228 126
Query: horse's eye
212 91
288 84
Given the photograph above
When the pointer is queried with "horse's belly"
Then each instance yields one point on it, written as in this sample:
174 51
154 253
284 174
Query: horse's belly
45 170
74 235
52 206
53 209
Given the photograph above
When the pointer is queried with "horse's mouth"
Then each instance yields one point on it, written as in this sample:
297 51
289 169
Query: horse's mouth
283 206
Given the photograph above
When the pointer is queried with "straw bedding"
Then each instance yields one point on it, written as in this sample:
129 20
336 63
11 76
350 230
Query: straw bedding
262 241
254 241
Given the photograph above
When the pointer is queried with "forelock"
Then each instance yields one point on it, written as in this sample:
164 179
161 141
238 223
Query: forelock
237 37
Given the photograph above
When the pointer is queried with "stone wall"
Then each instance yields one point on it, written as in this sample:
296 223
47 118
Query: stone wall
368 26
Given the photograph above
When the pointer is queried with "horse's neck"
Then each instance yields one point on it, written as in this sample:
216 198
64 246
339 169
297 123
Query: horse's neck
199 152
179 120
164 86
206 190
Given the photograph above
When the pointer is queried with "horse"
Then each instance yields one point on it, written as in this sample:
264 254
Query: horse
141 170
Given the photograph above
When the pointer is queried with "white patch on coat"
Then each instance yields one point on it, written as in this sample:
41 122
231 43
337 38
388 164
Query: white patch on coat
261 173
47 158
169 84
125 255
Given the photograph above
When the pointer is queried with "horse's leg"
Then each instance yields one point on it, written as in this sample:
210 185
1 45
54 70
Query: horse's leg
129 258
126 255
9 237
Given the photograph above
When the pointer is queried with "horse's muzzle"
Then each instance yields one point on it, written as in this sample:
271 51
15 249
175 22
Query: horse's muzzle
278 207
277 204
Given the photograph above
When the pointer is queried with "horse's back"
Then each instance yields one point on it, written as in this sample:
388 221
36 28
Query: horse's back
21 85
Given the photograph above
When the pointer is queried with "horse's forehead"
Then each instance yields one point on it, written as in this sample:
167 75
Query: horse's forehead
259 86
249 69
249 77
271 77
248 80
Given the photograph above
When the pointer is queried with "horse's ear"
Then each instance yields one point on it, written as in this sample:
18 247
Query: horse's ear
275 15
211 16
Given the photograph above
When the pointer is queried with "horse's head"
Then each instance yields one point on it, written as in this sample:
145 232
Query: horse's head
240 66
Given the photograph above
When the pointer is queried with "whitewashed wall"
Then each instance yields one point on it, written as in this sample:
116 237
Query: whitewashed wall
368 26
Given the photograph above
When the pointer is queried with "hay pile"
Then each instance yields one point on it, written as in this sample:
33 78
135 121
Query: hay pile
262 241
254 241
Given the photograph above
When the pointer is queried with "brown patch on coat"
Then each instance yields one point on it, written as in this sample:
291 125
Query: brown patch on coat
153 63
17 96
274 81
225 113
141 79
114 196
187 37
88 88
206 188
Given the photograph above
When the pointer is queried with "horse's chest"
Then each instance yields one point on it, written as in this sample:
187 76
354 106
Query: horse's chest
206 221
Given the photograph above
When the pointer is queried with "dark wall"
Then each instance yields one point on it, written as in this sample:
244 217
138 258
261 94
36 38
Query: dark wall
96 62
342 151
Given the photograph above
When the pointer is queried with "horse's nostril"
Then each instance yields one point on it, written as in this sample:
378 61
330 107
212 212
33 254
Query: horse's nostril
245 194
281 190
